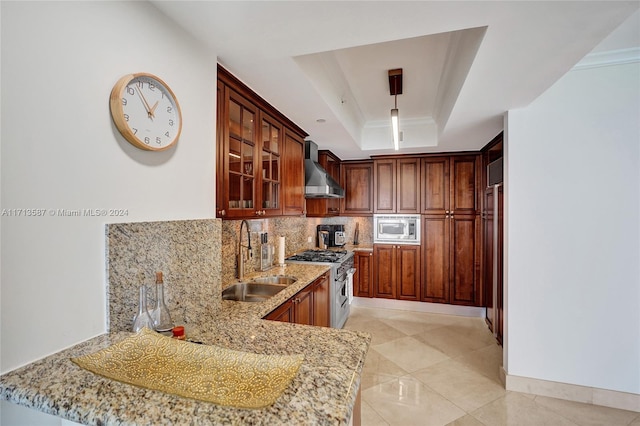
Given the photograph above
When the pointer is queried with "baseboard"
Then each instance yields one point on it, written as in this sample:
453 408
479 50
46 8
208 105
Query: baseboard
408 305
577 393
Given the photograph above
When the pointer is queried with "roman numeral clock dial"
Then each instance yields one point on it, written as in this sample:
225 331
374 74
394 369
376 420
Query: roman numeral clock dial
146 112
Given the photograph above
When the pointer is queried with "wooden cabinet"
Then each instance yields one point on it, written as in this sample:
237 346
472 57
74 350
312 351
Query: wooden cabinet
303 306
324 207
450 230
321 301
357 178
310 306
363 277
237 154
396 271
283 313
260 165
293 202
492 258
397 185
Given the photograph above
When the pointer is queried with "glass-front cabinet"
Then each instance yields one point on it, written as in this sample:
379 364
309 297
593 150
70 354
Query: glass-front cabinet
241 154
250 137
271 135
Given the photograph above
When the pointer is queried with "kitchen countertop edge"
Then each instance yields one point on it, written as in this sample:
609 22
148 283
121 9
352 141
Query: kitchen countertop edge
332 369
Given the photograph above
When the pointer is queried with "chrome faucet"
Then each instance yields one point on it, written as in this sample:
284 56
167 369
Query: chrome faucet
240 258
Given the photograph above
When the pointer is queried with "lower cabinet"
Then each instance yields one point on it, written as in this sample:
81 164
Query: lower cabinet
321 298
309 306
363 278
396 271
451 259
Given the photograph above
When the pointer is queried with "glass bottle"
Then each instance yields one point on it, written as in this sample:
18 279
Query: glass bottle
161 315
142 318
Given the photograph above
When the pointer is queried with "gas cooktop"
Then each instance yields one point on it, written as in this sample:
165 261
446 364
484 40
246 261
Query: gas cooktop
329 256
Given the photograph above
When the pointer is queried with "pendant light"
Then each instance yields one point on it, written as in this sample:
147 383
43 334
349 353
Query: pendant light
395 88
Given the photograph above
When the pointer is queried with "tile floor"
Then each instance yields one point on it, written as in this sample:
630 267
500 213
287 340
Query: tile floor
430 369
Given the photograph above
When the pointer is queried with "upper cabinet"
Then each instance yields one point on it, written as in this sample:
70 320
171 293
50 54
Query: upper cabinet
450 184
357 178
260 169
323 207
293 202
397 185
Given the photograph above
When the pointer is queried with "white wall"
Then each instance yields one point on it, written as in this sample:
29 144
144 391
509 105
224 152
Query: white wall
60 151
573 246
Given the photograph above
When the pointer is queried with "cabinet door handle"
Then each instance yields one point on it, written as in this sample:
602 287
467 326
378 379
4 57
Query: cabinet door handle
223 212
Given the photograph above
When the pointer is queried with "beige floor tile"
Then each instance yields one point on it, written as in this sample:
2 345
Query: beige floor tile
380 332
461 385
467 420
406 401
370 417
636 422
587 414
449 340
410 354
410 326
486 361
516 410
379 369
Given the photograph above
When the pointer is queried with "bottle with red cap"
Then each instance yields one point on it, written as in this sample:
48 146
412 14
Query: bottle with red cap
178 332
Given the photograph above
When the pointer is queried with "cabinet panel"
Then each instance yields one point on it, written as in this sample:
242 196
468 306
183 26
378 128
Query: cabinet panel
283 313
487 255
293 202
363 278
321 305
304 306
464 169
396 185
435 181
464 257
357 178
435 249
384 184
384 269
408 270
408 194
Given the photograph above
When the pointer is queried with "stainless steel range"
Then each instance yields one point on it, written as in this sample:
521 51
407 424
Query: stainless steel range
341 278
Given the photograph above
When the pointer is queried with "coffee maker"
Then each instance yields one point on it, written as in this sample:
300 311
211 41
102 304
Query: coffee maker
336 237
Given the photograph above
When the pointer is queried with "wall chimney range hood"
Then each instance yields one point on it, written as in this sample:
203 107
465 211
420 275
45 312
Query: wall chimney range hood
318 183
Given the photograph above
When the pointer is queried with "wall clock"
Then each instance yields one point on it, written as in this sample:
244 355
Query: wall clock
146 112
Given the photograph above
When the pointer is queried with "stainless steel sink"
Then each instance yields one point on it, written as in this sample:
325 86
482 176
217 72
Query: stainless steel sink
251 292
275 279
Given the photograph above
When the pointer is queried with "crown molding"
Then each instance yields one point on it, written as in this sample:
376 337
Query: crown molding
609 58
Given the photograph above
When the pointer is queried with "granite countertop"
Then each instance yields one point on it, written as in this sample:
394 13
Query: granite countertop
322 393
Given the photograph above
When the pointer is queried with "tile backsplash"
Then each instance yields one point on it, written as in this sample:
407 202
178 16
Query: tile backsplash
188 252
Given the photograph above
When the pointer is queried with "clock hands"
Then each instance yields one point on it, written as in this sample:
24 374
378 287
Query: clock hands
153 109
150 111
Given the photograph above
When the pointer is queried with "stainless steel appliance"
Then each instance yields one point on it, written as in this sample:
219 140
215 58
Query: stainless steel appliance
337 237
318 183
341 271
396 229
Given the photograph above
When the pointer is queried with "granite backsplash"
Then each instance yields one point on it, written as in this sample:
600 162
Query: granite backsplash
188 252
296 231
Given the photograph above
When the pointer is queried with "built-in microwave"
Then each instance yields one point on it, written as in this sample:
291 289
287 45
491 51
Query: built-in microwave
396 228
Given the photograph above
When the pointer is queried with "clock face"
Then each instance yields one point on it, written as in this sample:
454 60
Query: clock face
146 112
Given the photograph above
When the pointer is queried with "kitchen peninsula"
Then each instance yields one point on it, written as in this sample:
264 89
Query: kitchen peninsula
324 391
